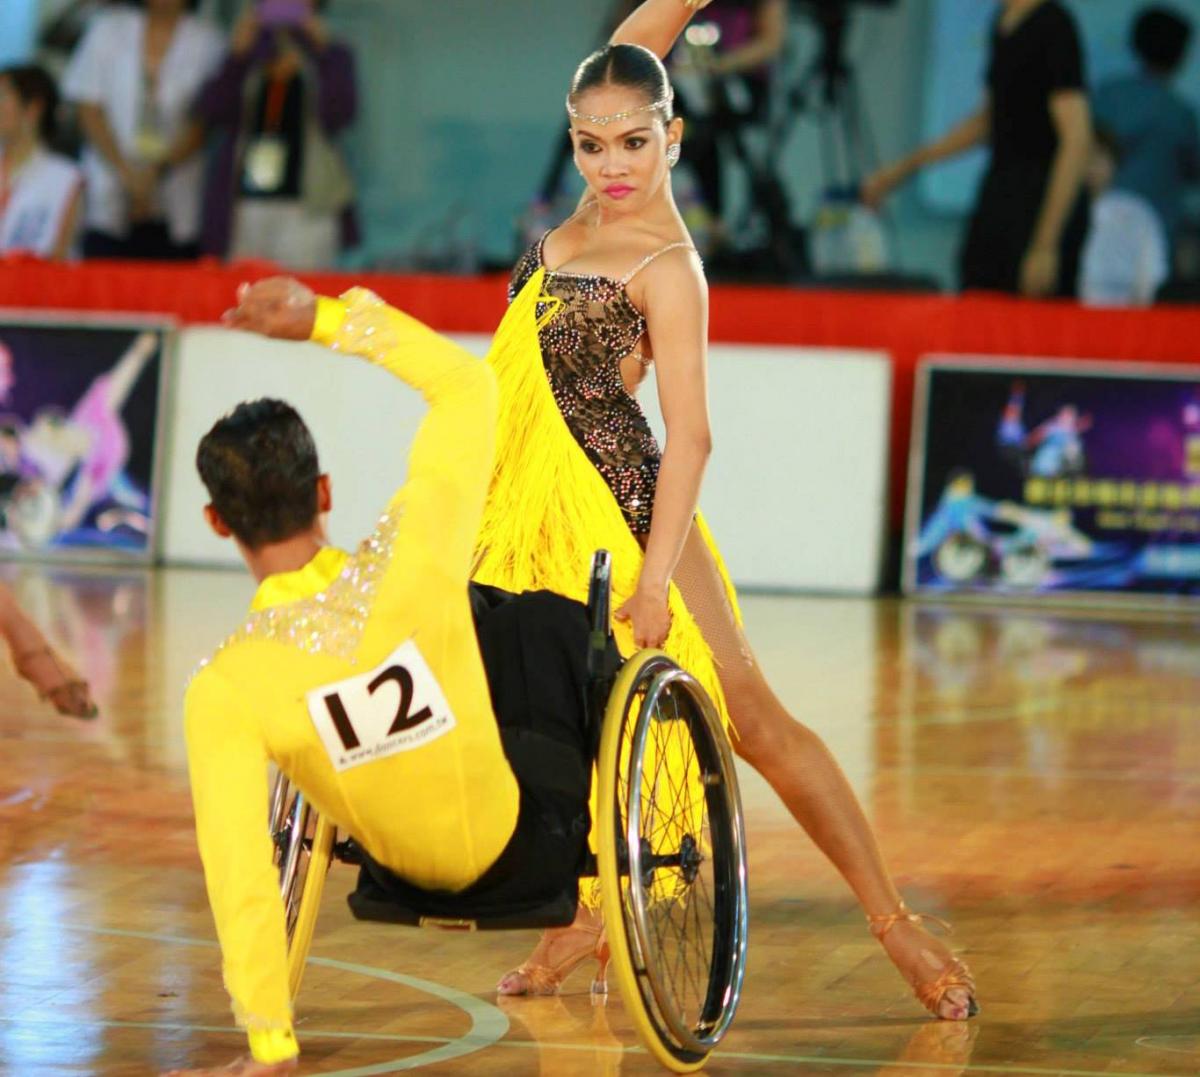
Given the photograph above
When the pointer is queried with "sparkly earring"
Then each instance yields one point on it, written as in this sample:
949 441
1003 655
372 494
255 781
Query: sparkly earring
673 154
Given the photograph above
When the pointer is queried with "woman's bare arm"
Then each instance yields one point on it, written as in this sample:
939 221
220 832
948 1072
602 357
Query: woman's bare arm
675 301
657 24
1041 266
64 243
1073 123
136 182
770 35
94 122
964 135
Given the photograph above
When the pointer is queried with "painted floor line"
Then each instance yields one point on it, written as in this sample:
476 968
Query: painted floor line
536 1045
489 1025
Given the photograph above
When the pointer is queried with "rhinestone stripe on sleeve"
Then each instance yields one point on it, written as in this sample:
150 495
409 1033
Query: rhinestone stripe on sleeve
333 621
367 330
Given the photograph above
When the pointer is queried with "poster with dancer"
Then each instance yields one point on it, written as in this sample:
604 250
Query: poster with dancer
1043 478
80 417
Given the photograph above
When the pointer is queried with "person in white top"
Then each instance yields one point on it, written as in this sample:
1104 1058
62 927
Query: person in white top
1126 256
40 191
135 77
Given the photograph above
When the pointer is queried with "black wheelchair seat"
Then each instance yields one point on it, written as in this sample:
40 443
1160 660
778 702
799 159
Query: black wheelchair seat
371 902
382 897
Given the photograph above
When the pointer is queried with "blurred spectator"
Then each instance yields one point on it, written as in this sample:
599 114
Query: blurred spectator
1154 125
543 214
279 188
1027 230
722 73
1125 258
64 29
40 191
135 77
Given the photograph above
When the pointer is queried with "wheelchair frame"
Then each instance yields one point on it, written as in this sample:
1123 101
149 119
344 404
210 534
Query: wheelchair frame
671 861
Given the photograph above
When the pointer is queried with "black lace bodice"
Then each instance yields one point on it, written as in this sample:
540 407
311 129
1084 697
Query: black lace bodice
583 341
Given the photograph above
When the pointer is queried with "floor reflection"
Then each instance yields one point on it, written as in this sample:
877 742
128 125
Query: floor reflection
572 1033
1033 776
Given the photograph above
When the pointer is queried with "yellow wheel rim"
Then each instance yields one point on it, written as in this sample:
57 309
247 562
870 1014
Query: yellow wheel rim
310 903
622 961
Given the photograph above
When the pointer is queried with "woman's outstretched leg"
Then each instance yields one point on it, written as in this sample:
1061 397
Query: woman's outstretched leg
803 772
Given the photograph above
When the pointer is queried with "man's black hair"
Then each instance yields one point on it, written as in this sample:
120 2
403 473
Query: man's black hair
1160 38
260 467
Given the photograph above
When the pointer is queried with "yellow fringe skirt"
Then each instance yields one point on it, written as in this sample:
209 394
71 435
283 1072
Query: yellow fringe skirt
548 509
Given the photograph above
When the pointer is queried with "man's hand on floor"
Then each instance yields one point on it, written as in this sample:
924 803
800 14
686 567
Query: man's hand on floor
243 1067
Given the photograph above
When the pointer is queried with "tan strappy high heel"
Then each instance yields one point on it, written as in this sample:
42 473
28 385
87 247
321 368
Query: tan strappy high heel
67 692
535 978
930 993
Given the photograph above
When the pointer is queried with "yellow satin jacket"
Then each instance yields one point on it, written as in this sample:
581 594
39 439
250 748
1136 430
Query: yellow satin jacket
359 676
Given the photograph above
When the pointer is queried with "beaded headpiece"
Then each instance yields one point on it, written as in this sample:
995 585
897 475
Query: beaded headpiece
663 105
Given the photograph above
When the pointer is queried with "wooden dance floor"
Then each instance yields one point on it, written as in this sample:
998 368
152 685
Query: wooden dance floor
1035 778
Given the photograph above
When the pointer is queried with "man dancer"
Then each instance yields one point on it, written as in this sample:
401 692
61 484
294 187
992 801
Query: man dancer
361 676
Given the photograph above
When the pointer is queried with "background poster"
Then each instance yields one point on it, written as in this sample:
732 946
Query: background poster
79 428
1032 477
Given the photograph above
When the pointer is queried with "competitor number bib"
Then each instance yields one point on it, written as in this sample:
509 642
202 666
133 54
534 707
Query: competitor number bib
396 707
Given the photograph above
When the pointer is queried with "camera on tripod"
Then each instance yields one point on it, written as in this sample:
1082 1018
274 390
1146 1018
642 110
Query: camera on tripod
826 90
832 20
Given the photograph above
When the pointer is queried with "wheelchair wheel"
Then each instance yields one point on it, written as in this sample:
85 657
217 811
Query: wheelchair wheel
303 842
671 860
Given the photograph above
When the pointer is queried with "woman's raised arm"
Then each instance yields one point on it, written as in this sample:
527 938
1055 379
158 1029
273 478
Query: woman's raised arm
656 24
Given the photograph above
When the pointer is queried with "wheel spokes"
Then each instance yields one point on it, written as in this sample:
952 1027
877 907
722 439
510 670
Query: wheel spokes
670 908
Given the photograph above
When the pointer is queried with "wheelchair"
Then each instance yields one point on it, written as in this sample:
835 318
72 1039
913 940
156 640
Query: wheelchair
670 854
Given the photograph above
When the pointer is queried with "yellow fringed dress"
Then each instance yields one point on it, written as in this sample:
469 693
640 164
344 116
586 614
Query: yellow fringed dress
549 509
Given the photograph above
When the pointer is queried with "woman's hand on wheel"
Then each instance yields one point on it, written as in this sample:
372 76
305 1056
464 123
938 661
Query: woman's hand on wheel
243 1067
649 615
280 307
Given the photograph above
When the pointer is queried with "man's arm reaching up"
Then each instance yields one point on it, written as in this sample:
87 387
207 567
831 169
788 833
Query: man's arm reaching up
450 463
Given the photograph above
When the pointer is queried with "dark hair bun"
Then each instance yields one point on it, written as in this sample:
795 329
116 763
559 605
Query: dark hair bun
630 66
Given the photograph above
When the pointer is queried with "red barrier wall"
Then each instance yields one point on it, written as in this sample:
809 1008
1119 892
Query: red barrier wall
906 326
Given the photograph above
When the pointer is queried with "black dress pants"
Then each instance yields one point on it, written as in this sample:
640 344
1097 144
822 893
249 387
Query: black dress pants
534 649
1002 226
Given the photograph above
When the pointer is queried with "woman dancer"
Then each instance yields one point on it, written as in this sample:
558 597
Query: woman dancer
614 290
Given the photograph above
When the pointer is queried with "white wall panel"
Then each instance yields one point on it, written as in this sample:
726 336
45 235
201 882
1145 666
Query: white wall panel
796 490
795 493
